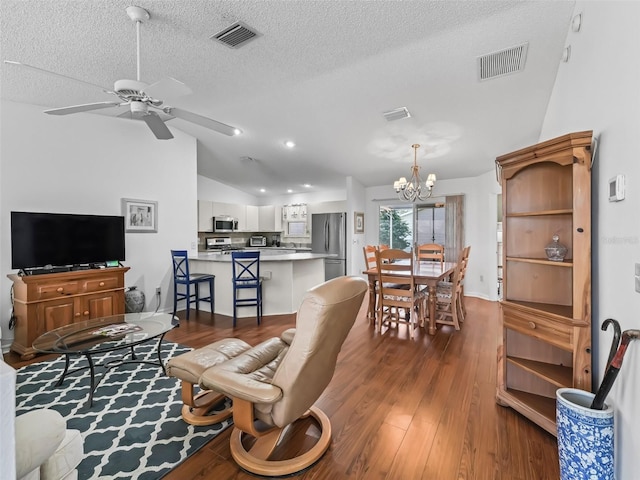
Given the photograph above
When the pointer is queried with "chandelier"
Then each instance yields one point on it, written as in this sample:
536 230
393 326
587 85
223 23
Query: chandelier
414 189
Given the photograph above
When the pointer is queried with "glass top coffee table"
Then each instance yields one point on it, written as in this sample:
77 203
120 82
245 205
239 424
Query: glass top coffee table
106 334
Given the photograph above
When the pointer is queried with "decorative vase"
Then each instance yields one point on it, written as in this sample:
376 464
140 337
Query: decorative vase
585 437
133 300
555 250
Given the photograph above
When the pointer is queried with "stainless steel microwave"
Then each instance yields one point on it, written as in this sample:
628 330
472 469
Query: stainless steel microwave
225 224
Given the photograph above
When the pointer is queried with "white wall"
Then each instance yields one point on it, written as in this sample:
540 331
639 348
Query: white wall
479 219
215 191
356 202
85 163
598 90
308 198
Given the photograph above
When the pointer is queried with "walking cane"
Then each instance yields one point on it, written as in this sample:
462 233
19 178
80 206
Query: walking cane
613 369
615 342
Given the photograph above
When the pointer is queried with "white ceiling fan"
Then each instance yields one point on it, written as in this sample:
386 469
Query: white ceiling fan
144 101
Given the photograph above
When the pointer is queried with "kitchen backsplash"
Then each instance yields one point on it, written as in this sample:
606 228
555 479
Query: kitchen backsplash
242 239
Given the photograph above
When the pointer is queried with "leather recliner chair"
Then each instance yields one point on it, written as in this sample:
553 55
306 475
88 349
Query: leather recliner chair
278 381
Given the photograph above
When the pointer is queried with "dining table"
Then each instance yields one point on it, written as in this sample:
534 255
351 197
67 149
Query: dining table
426 273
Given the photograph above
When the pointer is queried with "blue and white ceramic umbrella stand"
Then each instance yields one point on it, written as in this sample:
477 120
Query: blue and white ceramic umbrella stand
585 437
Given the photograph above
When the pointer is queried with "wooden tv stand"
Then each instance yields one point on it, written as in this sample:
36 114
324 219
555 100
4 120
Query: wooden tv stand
44 302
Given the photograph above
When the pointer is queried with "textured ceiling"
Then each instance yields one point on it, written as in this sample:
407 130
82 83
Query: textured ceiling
321 73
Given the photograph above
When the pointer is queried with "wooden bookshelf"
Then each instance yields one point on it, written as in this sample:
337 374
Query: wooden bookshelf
546 307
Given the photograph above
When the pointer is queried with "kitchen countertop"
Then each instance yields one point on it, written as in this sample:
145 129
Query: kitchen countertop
270 257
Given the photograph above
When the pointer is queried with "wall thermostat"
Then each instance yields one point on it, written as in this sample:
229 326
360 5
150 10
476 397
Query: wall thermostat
616 188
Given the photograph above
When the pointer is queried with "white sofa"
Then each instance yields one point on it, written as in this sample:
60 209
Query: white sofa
37 444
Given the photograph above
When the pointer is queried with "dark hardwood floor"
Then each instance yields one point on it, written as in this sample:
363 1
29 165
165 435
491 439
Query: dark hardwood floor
399 408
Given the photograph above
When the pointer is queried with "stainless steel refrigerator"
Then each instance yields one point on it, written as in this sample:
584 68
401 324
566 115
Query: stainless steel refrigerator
329 235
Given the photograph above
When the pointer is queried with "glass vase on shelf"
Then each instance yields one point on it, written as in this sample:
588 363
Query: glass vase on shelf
555 250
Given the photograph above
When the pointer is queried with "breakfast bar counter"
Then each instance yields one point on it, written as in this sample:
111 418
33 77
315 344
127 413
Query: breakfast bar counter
286 278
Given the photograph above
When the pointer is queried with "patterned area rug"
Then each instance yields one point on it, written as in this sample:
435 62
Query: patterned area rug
134 428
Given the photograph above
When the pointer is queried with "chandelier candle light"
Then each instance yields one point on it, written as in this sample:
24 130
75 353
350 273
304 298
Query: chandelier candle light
414 189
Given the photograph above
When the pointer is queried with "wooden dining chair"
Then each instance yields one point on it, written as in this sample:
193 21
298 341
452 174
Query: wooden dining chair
399 301
369 256
369 263
430 252
465 261
447 301
450 295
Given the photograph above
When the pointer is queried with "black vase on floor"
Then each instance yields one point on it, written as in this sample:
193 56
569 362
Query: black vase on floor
133 300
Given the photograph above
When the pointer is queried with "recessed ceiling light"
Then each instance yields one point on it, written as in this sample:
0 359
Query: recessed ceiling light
306 185
289 144
289 190
262 190
237 131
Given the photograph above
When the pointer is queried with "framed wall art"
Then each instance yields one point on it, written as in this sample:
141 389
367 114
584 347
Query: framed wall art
359 222
140 216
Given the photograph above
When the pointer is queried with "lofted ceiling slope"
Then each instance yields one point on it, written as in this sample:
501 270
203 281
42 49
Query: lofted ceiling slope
321 73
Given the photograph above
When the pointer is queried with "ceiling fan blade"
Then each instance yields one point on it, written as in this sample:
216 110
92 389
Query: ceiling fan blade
200 120
157 126
48 72
81 108
167 87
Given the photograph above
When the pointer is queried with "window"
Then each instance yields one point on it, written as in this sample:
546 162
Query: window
296 229
399 230
430 224
440 222
396 227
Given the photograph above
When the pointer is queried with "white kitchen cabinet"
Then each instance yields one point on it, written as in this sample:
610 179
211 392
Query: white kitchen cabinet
205 216
240 212
253 218
267 218
221 209
277 226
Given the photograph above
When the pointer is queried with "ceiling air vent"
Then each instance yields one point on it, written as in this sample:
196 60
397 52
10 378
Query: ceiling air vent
396 114
236 35
503 62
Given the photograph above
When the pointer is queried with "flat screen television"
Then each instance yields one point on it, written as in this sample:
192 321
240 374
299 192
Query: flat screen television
61 239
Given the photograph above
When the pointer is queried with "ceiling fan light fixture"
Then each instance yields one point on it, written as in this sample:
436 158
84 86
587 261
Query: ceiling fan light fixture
140 96
129 89
137 14
139 107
